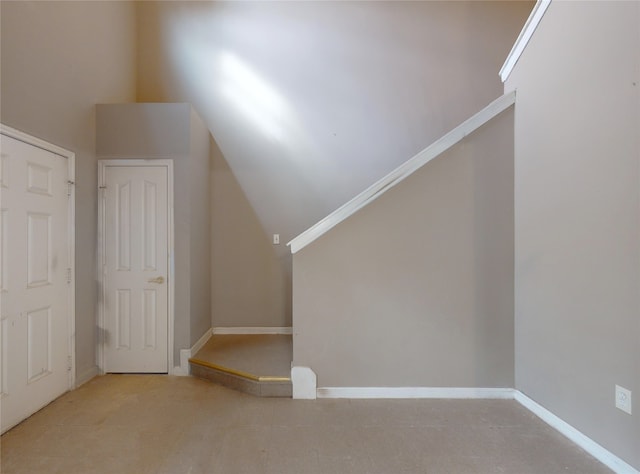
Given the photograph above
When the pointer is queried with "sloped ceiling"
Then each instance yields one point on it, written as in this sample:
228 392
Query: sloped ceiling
311 102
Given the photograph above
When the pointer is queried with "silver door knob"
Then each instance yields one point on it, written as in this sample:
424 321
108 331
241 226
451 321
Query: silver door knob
156 280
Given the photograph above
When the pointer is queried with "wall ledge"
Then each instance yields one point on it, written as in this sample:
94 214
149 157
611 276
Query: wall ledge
520 45
403 171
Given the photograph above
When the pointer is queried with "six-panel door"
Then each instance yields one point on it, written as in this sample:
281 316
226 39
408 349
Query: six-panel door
34 260
135 269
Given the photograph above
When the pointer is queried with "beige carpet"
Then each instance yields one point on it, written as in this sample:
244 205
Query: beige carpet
142 424
262 354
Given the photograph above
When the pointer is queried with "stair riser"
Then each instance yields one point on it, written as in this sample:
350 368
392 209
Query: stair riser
242 384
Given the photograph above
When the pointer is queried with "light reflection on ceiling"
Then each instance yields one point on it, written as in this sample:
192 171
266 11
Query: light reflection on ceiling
253 97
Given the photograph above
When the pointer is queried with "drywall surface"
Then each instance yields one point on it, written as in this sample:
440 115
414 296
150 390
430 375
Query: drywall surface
148 131
416 289
312 102
173 131
200 224
58 59
249 283
577 219
143 130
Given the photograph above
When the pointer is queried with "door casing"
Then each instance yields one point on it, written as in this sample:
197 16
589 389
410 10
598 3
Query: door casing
71 234
102 166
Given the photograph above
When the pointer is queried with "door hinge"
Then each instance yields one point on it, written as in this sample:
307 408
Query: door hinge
69 363
70 185
68 275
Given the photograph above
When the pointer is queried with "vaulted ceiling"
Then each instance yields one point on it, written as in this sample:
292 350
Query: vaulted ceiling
311 102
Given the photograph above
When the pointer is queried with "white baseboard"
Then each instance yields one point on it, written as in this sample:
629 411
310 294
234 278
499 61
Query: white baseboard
253 330
414 392
603 455
87 375
304 383
201 342
182 370
186 354
594 449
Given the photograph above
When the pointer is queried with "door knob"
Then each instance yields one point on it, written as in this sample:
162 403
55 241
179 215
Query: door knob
156 280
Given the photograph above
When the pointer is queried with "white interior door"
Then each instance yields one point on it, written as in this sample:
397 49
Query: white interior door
35 278
135 268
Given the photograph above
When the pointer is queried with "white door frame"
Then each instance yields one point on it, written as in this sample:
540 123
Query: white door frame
102 167
71 234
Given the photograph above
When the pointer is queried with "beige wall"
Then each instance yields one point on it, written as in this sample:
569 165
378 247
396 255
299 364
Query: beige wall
310 103
59 59
248 287
416 289
577 233
199 187
176 132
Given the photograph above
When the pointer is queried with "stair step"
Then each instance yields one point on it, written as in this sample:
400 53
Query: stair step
257 385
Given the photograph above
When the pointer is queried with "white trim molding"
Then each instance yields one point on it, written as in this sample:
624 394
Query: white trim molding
416 392
403 171
304 382
102 165
603 455
182 370
186 354
202 341
35 141
254 330
520 45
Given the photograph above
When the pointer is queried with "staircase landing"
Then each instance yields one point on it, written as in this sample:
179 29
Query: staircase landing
258 364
